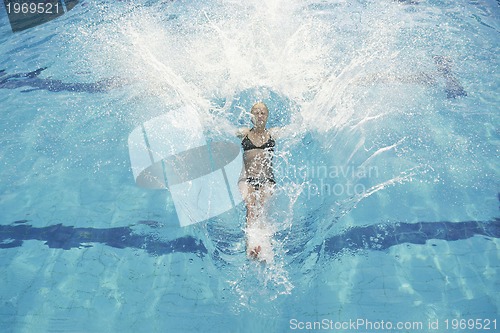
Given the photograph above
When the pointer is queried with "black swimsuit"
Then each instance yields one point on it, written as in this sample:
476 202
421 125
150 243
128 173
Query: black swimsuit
247 144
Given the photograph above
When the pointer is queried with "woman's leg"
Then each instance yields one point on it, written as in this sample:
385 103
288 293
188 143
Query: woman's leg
255 203
251 201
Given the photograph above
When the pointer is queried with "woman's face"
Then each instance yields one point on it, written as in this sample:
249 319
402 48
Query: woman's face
259 114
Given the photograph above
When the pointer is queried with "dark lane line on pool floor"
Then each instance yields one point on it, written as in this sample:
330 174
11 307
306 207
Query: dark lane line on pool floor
63 237
32 82
383 236
374 237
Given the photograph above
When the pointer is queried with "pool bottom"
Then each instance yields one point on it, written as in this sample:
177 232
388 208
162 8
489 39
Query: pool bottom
105 289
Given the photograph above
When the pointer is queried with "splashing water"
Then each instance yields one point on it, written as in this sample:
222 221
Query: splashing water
357 79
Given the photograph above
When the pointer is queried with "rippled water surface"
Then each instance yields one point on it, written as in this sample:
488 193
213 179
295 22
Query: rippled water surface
387 198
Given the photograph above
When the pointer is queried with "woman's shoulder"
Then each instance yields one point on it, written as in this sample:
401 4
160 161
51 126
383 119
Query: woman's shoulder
242 132
275 132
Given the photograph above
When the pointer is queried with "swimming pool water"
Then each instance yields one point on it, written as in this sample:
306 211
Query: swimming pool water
388 191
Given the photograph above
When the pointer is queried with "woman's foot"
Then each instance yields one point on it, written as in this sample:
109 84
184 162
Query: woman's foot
254 253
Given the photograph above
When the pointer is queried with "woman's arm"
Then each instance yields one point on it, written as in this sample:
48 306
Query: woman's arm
287 130
276 132
242 132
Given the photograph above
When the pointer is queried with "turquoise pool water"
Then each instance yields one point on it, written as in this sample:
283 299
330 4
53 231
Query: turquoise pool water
386 215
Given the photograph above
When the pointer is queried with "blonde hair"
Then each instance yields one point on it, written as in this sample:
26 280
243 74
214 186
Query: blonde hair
260 104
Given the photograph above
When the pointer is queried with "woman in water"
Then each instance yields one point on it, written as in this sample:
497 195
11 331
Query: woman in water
257 180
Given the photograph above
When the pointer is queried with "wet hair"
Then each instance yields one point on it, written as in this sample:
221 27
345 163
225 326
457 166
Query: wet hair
258 104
